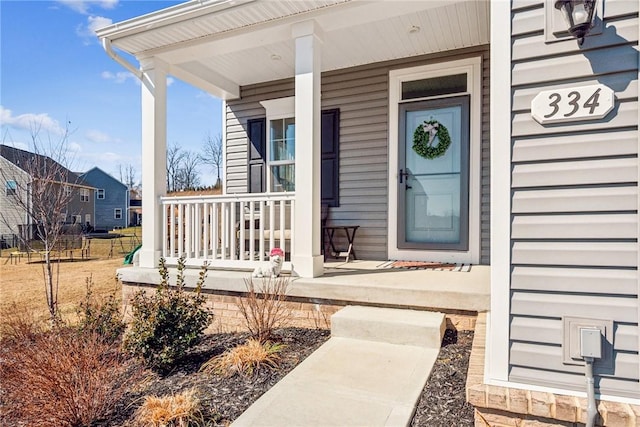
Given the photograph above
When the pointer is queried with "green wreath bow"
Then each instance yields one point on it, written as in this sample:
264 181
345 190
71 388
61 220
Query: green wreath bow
425 135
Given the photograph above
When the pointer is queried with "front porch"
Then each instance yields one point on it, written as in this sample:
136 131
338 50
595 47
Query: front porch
460 295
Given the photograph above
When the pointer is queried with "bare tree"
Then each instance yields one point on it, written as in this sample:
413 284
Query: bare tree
128 176
182 169
189 178
174 163
39 187
212 154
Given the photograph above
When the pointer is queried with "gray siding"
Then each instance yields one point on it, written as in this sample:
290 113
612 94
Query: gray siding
362 95
574 202
115 196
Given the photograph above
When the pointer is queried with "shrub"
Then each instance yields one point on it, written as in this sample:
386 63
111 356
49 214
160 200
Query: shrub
264 308
19 325
62 377
169 322
245 359
169 411
102 317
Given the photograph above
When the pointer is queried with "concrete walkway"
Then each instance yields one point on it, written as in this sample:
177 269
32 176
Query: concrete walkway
371 372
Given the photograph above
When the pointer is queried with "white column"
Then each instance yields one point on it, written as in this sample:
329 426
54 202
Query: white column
154 158
307 260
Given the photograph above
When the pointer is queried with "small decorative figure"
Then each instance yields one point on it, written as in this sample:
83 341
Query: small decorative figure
276 258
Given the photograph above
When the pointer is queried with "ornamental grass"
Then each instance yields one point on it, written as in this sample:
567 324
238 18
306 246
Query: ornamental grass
245 359
179 410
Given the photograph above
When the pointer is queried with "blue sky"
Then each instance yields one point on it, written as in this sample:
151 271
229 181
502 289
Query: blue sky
53 71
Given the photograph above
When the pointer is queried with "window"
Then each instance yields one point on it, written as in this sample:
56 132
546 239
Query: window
282 154
76 219
11 187
271 147
280 144
67 190
100 193
434 86
117 213
84 195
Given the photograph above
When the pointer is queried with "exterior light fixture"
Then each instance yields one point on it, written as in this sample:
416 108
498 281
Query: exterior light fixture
578 15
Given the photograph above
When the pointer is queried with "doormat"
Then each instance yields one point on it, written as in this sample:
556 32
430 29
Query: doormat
426 265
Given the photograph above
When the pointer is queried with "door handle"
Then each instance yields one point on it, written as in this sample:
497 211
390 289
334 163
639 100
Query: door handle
403 175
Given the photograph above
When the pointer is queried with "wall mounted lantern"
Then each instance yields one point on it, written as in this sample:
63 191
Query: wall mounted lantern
578 15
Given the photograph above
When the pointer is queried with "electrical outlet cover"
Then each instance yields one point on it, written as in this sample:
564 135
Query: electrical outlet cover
571 341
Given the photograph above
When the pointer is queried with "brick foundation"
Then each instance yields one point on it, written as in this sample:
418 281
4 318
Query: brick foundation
303 314
227 316
510 407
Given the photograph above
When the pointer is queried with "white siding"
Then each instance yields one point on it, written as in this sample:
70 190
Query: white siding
574 230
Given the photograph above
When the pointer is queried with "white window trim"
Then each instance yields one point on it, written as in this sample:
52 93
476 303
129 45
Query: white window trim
276 109
11 187
473 68
115 213
98 193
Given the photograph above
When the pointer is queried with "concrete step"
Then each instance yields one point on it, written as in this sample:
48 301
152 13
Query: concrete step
389 325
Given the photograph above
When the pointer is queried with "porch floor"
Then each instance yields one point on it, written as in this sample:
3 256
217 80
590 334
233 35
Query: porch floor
360 282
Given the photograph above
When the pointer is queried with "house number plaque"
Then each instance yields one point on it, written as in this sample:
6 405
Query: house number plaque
572 104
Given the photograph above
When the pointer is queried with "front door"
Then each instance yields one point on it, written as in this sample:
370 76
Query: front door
435 179
434 174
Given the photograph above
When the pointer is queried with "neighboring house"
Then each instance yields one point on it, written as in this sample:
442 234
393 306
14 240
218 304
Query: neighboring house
135 212
14 183
346 104
111 200
18 174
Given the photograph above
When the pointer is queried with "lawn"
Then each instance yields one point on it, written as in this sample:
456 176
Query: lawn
22 283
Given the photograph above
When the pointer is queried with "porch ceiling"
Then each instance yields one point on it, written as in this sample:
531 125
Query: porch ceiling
218 45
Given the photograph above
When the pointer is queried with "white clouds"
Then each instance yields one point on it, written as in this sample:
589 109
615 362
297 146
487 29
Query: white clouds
96 22
88 31
30 122
99 137
205 95
119 77
123 76
83 6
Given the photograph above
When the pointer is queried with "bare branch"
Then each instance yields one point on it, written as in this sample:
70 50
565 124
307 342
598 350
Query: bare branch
212 154
38 189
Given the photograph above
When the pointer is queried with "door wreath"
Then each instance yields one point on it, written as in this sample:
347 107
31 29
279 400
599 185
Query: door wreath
424 136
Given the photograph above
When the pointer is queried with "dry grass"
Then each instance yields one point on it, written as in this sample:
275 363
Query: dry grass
22 285
180 410
245 359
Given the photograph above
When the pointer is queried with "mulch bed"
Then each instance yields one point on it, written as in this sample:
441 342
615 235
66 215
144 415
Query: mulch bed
223 399
443 402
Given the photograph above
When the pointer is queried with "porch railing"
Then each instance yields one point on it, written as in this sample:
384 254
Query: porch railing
229 231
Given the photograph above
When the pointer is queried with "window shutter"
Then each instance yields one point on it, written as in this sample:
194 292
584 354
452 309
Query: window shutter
257 136
330 173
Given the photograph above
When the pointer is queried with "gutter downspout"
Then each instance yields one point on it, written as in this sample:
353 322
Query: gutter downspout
106 45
